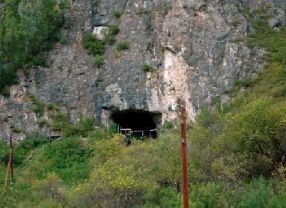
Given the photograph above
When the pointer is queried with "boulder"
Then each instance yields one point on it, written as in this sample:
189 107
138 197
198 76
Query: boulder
100 32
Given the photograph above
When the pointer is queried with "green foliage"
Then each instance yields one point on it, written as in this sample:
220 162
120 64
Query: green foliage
98 61
168 125
143 11
103 172
93 45
147 68
244 83
274 42
256 132
7 199
114 29
51 187
113 128
42 122
68 158
205 118
16 130
25 147
122 46
162 197
117 14
38 106
82 128
26 30
50 107
4 151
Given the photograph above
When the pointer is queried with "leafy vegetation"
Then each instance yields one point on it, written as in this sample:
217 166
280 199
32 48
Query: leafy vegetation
117 14
27 28
147 68
97 47
98 61
93 45
122 46
102 171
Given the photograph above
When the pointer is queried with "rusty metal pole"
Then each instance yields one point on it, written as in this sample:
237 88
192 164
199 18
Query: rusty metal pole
11 158
184 154
9 165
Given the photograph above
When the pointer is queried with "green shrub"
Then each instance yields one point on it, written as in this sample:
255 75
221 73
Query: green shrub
114 29
68 158
255 136
38 106
117 14
42 122
22 47
93 45
98 61
16 130
122 46
272 41
8 199
82 128
25 147
147 68
162 197
4 151
168 125
50 107
51 187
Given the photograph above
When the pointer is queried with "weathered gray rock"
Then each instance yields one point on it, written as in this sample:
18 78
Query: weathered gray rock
100 32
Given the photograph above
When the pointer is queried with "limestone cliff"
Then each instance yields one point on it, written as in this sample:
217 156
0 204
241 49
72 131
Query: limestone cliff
190 45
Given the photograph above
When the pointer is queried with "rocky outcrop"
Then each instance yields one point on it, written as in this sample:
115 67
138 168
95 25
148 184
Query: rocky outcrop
190 48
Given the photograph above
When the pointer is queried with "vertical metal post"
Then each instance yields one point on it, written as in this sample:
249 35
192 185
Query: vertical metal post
184 154
10 165
11 156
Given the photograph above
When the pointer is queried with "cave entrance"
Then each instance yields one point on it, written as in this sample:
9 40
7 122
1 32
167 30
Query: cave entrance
137 123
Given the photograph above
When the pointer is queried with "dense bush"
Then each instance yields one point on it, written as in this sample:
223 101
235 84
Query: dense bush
26 29
67 158
145 174
93 45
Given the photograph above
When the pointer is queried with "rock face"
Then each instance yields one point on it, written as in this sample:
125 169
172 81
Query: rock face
100 32
190 46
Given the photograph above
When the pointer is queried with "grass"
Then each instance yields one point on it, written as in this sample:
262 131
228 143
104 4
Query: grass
274 42
147 68
122 46
98 61
117 14
38 106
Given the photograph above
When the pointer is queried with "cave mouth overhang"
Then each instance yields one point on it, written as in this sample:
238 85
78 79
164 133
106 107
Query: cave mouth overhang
137 123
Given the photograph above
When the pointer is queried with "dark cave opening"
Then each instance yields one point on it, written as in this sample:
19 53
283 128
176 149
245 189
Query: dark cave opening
137 123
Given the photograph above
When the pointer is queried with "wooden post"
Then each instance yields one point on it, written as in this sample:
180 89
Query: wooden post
184 154
11 156
9 165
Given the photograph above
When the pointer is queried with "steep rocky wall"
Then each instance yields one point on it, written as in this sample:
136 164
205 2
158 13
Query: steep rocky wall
191 46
